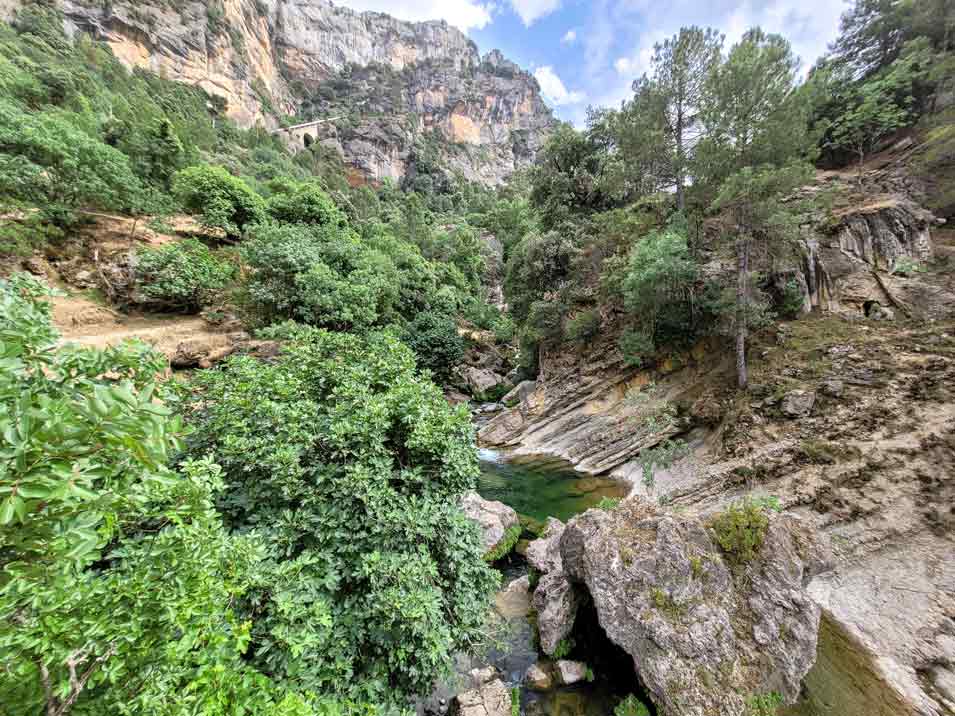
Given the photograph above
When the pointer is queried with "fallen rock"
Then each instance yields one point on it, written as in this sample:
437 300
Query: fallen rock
571 672
702 636
539 677
556 601
833 388
797 403
543 554
480 380
878 312
555 598
488 697
514 601
497 520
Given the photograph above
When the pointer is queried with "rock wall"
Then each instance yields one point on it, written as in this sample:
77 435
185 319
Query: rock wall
268 58
849 423
706 636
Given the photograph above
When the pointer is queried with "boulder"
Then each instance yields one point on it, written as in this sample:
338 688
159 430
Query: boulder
519 392
496 519
703 633
833 388
878 312
479 380
538 677
797 403
543 554
556 601
488 696
514 601
555 598
571 672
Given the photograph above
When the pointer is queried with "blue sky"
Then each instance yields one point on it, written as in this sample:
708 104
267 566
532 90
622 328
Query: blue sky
588 53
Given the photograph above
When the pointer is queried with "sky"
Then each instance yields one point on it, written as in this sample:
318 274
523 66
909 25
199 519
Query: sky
588 52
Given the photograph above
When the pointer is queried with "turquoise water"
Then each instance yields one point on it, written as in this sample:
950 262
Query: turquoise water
542 488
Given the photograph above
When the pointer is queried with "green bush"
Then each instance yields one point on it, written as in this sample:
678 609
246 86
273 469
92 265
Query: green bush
181 276
116 610
305 203
631 706
319 275
349 465
791 302
435 340
584 326
608 503
740 530
765 704
220 200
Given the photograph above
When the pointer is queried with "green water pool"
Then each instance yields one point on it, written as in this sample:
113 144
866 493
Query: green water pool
542 488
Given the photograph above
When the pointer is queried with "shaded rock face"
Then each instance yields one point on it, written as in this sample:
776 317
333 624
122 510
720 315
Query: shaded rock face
328 61
703 637
494 518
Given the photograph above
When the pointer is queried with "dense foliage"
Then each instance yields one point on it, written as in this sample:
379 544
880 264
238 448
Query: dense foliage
181 276
94 522
348 465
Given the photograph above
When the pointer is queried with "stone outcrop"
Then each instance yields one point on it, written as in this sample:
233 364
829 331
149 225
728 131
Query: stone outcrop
379 85
496 520
705 636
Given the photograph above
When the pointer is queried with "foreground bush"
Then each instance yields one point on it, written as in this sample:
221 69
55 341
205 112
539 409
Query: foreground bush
350 466
108 605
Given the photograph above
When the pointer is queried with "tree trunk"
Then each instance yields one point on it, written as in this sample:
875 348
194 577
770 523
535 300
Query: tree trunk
680 158
742 300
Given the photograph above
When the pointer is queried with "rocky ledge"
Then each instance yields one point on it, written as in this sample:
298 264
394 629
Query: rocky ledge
708 633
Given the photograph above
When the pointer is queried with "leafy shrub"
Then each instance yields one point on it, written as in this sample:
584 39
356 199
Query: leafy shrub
563 648
48 162
584 326
740 530
636 347
435 340
765 704
349 466
791 302
305 203
220 200
905 266
182 276
608 503
319 275
94 522
631 706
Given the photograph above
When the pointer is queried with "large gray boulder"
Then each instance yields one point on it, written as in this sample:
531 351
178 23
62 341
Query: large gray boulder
555 599
704 636
495 519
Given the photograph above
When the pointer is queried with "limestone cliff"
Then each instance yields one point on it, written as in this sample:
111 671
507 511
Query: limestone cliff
849 423
381 87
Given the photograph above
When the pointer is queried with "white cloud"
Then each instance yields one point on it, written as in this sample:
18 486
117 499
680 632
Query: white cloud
532 10
553 88
464 14
612 63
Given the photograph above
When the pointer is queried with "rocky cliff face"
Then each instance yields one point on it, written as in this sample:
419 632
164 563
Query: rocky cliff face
849 422
706 636
382 87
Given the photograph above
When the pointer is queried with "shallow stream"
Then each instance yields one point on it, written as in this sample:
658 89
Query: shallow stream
542 489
